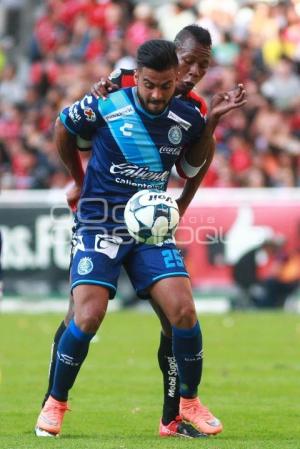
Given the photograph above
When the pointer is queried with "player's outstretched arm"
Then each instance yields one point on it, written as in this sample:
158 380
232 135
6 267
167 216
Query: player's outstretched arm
221 104
202 152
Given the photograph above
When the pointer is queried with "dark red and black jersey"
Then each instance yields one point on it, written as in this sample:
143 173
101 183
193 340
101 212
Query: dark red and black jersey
122 77
198 101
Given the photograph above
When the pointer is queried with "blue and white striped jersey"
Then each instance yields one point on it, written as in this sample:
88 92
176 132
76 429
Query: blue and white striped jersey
131 148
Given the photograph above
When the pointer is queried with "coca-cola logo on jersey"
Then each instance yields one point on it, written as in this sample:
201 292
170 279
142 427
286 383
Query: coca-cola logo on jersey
170 150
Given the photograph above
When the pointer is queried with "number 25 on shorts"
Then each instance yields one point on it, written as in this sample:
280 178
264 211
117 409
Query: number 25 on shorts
172 258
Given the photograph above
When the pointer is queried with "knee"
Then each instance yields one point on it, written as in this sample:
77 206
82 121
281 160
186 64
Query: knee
185 316
89 317
88 323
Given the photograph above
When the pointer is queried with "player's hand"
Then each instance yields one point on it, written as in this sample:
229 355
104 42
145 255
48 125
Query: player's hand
224 102
103 87
73 192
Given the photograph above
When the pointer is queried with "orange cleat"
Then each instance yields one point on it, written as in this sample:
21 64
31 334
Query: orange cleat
193 412
50 419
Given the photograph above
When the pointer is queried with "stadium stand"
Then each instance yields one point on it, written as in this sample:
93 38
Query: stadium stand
75 42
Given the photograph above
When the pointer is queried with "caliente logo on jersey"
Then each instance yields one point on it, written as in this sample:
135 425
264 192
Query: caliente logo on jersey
136 171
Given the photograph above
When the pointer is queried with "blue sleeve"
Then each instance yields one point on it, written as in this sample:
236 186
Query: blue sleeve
82 118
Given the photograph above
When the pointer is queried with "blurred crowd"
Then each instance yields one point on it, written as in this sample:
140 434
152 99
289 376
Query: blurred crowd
76 42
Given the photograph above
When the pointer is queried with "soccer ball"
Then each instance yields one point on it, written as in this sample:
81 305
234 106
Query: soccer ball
151 216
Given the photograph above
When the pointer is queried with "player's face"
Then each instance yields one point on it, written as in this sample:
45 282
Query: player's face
194 60
155 89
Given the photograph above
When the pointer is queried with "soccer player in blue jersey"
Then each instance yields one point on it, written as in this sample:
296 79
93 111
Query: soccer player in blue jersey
127 132
193 47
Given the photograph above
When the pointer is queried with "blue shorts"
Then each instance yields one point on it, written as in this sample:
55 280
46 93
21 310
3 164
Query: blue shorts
97 260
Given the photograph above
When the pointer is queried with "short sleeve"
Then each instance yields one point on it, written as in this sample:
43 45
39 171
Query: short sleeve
82 118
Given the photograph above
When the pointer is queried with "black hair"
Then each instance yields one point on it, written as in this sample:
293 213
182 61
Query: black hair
201 35
157 54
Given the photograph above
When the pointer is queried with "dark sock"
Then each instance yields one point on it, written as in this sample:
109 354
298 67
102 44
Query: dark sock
71 352
187 349
60 330
168 367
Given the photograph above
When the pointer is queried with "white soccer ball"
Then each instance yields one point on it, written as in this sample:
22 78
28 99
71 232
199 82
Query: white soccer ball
151 216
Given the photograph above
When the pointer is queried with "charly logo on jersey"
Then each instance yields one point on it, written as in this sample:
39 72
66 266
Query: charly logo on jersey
185 125
125 129
90 114
126 110
85 266
87 99
175 135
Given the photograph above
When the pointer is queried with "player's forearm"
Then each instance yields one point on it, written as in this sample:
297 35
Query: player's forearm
192 184
197 154
67 150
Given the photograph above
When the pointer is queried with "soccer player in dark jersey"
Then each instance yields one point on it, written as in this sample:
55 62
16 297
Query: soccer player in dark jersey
127 132
193 47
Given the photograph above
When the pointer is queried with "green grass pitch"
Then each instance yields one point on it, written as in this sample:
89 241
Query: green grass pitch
251 381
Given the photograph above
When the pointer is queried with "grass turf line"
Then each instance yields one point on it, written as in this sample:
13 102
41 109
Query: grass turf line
251 381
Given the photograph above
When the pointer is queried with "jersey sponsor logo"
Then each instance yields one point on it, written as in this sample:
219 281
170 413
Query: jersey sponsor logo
135 171
90 114
107 245
85 266
73 113
170 150
175 135
126 110
139 185
185 125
